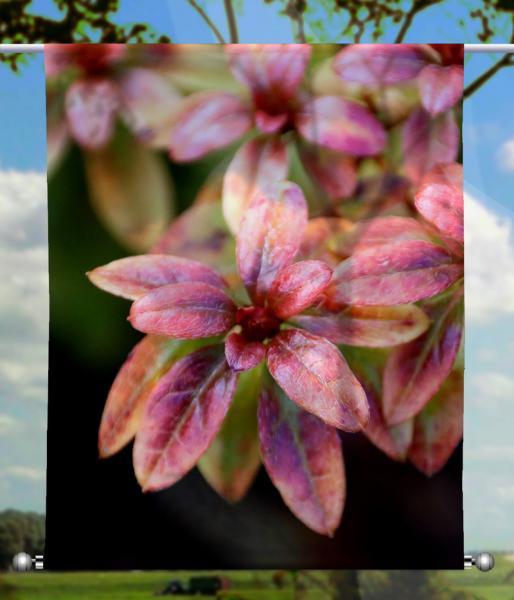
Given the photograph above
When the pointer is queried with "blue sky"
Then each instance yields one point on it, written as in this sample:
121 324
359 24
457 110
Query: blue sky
489 177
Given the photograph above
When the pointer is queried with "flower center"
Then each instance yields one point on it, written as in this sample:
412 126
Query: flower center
257 323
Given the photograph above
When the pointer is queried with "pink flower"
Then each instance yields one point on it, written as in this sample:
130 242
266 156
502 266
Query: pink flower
277 105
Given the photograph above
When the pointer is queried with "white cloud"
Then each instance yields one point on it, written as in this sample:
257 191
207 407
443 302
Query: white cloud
489 267
24 308
506 155
492 385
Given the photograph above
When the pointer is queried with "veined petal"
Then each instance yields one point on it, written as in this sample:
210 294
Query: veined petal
232 461
368 326
298 286
257 163
440 199
314 374
243 354
269 235
208 121
341 125
438 427
184 310
398 273
303 457
378 64
135 276
335 173
393 440
440 87
182 416
427 141
149 105
415 371
273 72
90 107
147 362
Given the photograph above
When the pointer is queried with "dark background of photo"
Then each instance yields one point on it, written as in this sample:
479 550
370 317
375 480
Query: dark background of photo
97 517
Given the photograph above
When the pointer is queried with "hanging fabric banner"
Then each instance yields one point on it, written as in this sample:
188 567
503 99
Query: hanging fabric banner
256 288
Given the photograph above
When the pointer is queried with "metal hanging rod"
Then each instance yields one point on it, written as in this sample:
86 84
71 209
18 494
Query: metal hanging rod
478 48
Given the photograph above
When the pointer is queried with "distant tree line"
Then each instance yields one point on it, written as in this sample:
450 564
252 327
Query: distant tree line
20 532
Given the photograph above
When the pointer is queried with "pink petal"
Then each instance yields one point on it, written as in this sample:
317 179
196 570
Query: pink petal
273 72
298 286
379 64
314 374
135 276
147 362
269 235
257 163
270 124
149 105
398 273
303 457
427 141
335 173
243 354
182 417
341 125
440 199
368 326
232 461
393 440
208 121
91 107
439 426
184 310
440 87
200 233
414 372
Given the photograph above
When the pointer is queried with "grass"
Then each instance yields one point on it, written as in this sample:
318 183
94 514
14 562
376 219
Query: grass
246 585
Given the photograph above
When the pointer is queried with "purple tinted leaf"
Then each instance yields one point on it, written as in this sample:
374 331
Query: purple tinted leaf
341 125
135 276
440 87
335 173
182 416
208 121
303 457
186 310
91 107
298 286
232 461
415 371
427 141
379 64
269 236
440 199
438 427
369 326
243 354
147 362
257 163
314 374
397 273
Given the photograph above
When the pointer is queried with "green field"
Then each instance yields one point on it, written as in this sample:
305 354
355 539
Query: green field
498 584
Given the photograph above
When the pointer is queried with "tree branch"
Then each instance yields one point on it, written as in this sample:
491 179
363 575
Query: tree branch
505 61
208 20
231 20
417 7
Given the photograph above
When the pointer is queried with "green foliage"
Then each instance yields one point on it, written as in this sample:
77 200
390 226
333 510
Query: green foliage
20 532
82 21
